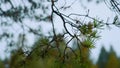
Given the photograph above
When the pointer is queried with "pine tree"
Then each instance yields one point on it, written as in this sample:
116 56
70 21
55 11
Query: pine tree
103 58
113 61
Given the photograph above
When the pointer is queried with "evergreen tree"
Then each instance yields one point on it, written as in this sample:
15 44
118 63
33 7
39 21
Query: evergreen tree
108 59
113 61
103 58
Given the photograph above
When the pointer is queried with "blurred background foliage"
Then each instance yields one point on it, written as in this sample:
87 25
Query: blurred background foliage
107 59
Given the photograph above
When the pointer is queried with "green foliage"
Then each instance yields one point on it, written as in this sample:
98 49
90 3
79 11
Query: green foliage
103 58
17 59
112 61
97 24
44 41
108 59
2 65
88 43
52 59
91 29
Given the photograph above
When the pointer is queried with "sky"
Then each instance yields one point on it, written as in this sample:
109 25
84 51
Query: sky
108 36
